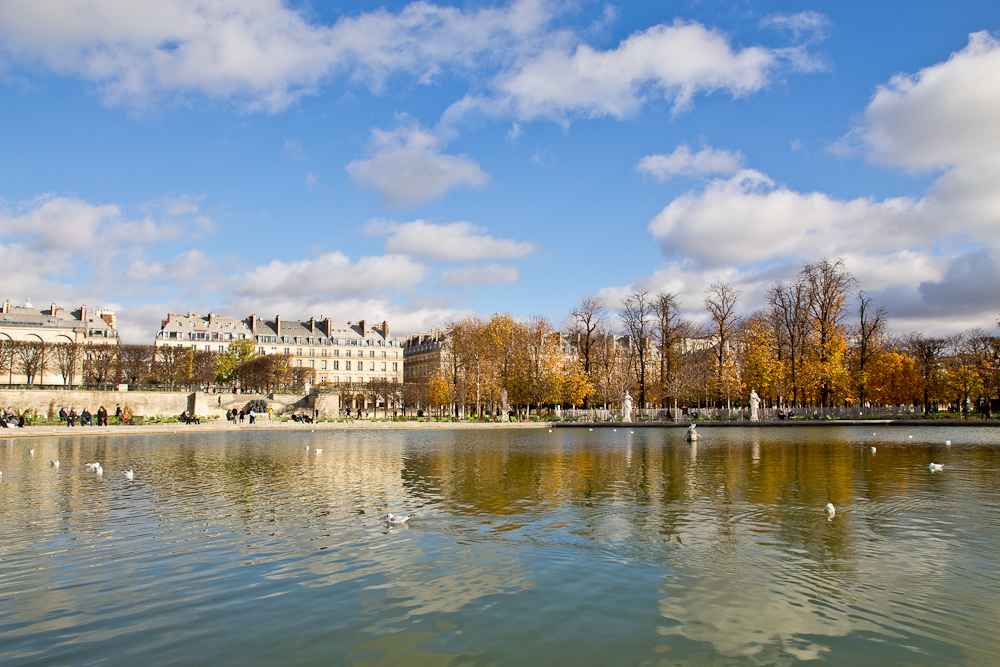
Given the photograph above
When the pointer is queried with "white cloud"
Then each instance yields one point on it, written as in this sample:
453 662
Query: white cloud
408 168
945 115
810 24
493 274
334 273
669 61
706 162
293 150
452 242
263 54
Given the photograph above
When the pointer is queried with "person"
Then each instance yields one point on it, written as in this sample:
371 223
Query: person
63 416
125 419
270 413
102 416
118 414
86 418
220 400
72 416
253 415
242 414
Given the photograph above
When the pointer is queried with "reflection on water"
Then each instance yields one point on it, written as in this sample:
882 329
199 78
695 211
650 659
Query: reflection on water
530 547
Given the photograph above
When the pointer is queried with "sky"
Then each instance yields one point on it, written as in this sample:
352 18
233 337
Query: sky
419 162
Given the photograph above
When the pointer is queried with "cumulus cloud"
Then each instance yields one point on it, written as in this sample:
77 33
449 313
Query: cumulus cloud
682 162
451 242
945 115
493 274
408 168
334 273
262 54
673 62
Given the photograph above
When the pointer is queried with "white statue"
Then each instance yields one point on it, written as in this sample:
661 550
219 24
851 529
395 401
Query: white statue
754 405
504 406
627 407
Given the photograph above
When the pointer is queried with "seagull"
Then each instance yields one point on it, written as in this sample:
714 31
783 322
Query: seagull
936 467
591 429
830 510
948 442
99 470
615 430
91 466
873 450
397 518
54 464
319 451
31 451
550 430
129 475
632 432
911 437
307 448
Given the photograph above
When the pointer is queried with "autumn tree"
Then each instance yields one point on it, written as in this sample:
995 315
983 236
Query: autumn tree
871 329
667 333
893 378
758 354
236 353
927 353
789 310
828 284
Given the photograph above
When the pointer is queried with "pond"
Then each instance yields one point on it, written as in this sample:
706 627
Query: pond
525 547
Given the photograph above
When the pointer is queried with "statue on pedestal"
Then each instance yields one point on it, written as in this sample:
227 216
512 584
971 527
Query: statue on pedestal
627 407
504 406
754 405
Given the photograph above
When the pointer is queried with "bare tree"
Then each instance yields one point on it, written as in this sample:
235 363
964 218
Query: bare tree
135 363
667 333
33 359
871 328
7 357
637 316
67 358
789 308
100 364
586 322
720 302
828 283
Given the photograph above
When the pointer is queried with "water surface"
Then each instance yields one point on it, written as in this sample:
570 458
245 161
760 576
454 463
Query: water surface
527 547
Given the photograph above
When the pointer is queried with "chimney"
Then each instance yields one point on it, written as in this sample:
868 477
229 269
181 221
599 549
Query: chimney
328 327
108 316
54 310
83 314
385 329
361 323
5 306
312 324
277 326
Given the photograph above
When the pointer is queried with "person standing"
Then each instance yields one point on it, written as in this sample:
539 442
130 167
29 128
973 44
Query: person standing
118 413
253 415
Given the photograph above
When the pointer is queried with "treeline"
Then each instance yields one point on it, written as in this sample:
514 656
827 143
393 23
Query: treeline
176 368
820 342
485 358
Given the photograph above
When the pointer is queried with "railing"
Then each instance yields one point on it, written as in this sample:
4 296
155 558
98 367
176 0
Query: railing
743 414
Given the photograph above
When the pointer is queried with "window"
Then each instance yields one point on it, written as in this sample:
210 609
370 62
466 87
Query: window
298 362
260 350
312 364
371 353
312 352
298 352
288 350
336 353
323 365
322 353
347 353
336 380
208 348
347 365
222 348
322 378
371 365
383 365
336 365
394 366
383 354
395 355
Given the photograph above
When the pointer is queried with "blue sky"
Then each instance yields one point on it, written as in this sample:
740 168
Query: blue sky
418 162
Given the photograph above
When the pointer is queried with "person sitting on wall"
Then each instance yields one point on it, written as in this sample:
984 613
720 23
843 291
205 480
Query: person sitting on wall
72 417
86 418
119 414
102 416
63 416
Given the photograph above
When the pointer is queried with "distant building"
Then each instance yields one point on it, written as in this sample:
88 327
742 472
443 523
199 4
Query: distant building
337 352
57 325
426 353
26 324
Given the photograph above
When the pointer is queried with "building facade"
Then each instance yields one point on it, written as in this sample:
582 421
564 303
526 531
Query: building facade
52 327
426 353
335 352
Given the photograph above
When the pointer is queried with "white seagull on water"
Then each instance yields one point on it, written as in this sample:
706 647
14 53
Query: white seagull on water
397 518
936 467
830 510
54 464
129 475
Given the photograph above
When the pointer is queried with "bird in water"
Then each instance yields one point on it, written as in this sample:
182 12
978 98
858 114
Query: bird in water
54 464
129 475
936 467
873 450
948 442
830 510
397 518
319 451
31 451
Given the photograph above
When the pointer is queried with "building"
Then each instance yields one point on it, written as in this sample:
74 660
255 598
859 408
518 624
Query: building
337 352
425 353
57 325
52 327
